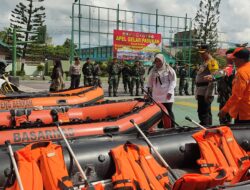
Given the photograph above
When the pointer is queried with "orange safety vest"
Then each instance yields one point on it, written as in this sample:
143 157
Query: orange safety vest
136 169
200 181
219 149
41 166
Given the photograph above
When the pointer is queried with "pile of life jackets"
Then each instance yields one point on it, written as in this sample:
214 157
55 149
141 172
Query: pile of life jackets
219 149
41 167
136 169
222 161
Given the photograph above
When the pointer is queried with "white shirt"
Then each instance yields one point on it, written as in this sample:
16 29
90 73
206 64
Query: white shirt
166 86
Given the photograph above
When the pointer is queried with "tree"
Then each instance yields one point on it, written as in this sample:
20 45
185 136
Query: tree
183 55
67 43
59 51
27 18
206 20
5 36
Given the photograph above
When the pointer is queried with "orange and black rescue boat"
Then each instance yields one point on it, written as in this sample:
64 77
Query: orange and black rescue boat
200 159
73 97
23 126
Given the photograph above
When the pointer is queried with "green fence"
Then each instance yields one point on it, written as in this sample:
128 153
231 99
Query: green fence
92 30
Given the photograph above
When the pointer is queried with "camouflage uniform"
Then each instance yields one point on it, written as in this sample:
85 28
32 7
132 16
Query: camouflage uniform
96 75
126 78
224 89
193 76
87 71
114 71
135 79
142 73
183 81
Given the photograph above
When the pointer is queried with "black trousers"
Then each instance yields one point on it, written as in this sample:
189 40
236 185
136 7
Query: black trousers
168 106
75 81
238 121
227 119
183 85
204 111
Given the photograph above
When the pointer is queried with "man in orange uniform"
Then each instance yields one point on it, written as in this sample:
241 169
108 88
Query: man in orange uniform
238 105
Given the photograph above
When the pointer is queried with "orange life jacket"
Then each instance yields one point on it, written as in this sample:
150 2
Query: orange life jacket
41 166
200 181
19 117
137 169
219 149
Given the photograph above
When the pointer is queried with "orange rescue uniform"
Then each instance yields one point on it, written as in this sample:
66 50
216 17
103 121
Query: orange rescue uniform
238 105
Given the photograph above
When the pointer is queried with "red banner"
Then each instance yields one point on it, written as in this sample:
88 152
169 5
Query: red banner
136 45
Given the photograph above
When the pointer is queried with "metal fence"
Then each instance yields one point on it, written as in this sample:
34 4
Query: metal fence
92 30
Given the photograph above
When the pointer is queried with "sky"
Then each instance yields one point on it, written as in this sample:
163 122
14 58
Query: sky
234 24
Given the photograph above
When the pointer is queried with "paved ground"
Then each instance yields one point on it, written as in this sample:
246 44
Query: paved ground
183 106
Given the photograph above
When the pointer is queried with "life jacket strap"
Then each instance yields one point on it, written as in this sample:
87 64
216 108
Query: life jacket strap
207 165
62 185
160 176
241 160
121 181
126 187
167 186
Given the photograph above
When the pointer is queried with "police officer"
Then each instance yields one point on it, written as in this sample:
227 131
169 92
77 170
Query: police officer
114 71
87 71
96 75
75 73
142 78
183 84
126 77
204 88
224 78
135 78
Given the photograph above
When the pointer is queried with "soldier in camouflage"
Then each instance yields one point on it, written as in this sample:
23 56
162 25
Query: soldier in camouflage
87 71
193 76
135 74
142 78
183 80
114 71
96 75
126 77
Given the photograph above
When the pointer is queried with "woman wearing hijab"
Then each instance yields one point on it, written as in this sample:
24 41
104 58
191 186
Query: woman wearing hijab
162 82
57 82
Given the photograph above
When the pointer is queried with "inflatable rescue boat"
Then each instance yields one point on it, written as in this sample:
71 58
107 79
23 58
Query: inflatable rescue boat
177 147
98 119
73 97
